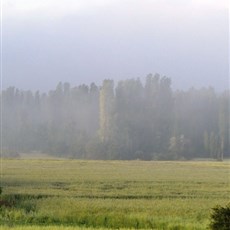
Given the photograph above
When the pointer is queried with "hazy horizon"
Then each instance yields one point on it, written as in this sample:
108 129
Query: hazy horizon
46 89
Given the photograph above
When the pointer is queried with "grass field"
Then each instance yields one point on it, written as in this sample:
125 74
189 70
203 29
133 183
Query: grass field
70 194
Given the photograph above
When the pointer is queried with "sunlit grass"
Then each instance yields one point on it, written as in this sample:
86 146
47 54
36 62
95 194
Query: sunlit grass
114 194
45 228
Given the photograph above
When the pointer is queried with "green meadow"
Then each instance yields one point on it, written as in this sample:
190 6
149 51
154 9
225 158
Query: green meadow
72 194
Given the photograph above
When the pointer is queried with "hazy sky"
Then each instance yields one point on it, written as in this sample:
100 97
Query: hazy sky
83 41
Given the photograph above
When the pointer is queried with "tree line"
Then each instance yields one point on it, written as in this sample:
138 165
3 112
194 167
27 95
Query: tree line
129 120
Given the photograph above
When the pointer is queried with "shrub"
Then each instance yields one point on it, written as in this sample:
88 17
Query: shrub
220 218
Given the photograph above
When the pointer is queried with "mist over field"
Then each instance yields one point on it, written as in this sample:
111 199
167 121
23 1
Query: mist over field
81 43
129 120
114 114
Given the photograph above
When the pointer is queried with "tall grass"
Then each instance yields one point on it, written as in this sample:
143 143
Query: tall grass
112 194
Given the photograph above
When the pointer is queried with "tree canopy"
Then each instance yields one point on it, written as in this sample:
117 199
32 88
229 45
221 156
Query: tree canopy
129 120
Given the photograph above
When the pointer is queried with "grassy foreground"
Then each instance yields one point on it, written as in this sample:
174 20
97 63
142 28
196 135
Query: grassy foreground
71 194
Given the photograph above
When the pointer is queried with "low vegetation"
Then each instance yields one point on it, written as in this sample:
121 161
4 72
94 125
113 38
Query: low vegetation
220 218
67 194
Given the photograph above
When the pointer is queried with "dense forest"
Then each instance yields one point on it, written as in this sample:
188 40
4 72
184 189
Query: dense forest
130 120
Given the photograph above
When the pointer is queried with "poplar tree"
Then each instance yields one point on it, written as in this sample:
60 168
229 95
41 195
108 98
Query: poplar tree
106 103
223 123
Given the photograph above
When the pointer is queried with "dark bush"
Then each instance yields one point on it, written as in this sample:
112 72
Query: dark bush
220 218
